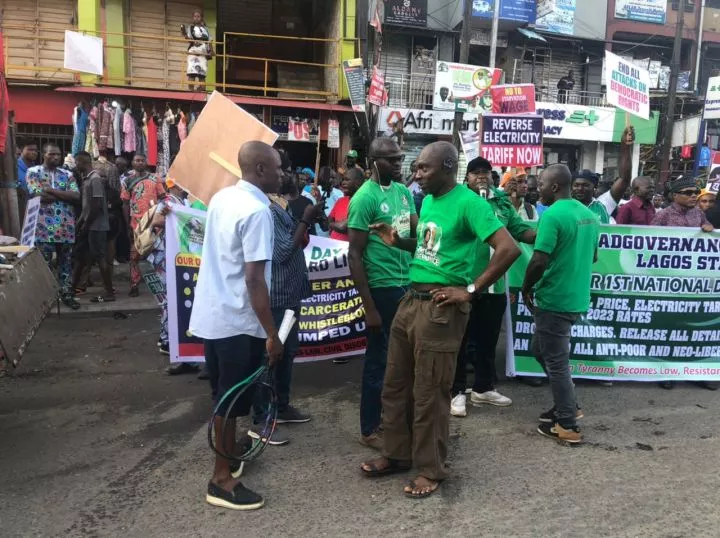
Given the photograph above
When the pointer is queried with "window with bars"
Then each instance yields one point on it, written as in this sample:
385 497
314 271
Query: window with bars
689 5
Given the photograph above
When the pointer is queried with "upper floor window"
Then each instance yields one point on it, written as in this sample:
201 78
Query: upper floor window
689 5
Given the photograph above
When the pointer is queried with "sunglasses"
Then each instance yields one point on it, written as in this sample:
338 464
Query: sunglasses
693 192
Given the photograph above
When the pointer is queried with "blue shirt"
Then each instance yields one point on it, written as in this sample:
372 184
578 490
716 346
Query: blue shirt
290 283
540 208
22 173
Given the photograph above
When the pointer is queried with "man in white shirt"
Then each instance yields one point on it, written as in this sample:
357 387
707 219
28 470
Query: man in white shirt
232 311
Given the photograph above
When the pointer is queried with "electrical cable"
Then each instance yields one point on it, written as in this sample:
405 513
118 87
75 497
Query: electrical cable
262 379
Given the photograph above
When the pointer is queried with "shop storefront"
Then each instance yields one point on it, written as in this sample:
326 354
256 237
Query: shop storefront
580 137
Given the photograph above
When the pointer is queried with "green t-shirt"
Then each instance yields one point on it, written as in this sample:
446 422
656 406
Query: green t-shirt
373 204
599 209
508 217
197 204
568 233
448 229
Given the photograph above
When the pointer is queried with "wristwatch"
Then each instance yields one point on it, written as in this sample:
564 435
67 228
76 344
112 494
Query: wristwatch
471 289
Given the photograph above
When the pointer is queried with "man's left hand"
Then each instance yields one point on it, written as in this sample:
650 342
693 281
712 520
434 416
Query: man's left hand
707 228
450 295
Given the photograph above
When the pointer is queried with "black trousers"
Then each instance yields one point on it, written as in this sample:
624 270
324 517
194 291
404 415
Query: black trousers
481 338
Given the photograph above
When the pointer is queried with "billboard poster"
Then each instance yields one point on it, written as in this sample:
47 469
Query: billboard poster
510 10
557 16
464 88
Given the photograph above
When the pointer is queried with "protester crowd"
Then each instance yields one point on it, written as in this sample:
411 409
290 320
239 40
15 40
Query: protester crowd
427 253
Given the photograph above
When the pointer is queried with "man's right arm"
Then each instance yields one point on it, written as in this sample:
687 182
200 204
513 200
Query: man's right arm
358 244
257 242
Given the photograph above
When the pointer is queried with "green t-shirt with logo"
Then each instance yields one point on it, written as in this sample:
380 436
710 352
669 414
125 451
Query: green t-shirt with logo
449 227
508 217
568 232
599 209
372 204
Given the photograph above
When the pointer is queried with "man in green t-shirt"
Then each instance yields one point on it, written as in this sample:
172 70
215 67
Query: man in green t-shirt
381 273
483 329
585 183
557 291
428 328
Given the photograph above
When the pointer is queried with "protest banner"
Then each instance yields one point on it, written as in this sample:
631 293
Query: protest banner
355 80
208 155
512 140
464 88
712 99
331 322
654 312
83 53
628 86
470 141
513 98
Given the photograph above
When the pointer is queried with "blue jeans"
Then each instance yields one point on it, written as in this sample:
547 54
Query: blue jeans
283 369
386 301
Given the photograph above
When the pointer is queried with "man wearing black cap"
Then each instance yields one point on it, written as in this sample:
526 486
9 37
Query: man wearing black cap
585 181
684 213
483 330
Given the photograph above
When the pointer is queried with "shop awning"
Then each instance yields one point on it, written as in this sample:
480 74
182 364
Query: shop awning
530 34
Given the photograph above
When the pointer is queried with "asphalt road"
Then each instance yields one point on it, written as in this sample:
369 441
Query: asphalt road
97 441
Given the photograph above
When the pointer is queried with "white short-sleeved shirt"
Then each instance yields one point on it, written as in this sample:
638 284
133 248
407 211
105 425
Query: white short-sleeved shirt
239 229
610 204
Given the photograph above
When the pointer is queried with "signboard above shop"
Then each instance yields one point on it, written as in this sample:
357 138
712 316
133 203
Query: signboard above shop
406 13
510 10
641 10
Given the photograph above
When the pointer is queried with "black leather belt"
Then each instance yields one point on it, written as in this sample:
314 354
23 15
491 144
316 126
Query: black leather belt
420 295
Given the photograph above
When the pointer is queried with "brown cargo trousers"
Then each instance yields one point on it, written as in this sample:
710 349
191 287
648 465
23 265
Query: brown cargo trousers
423 345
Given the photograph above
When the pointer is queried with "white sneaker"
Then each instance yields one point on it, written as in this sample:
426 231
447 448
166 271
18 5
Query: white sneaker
490 397
457 406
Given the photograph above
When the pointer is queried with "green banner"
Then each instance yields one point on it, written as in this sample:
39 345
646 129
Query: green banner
655 311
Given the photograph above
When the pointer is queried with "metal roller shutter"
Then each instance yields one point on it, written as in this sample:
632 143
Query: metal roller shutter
395 62
245 16
34 33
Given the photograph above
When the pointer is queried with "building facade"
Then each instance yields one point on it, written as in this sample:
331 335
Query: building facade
278 59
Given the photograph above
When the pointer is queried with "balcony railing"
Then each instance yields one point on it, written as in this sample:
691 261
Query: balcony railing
34 54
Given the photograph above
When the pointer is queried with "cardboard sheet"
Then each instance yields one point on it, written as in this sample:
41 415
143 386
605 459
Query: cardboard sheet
221 129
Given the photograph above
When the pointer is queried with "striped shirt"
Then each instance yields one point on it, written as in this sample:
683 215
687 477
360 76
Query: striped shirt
290 283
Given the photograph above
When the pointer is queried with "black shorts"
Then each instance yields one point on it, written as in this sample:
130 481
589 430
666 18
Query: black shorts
92 246
230 361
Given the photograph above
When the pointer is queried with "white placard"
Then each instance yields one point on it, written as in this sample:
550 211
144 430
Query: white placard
83 53
628 85
32 211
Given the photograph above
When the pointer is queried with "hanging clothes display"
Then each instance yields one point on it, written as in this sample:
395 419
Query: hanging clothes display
152 142
129 132
117 130
140 139
164 157
182 126
105 127
80 127
191 123
91 145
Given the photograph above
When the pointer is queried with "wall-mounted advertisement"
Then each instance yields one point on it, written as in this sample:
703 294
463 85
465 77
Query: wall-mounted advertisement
641 10
557 16
510 10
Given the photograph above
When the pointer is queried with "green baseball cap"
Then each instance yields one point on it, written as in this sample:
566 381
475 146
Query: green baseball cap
352 153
